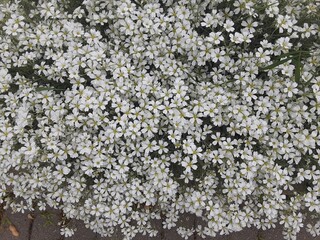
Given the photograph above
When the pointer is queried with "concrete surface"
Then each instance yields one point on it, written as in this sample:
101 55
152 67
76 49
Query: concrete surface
43 226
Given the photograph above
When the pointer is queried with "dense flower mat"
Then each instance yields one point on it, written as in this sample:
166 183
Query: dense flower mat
119 111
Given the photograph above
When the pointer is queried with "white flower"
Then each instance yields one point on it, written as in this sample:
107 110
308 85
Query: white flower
112 110
189 164
291 88
67 232
65 170
215 37
93 36
228 25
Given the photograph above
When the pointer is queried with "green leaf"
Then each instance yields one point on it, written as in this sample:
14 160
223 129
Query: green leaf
294 53
277 63
297 71
39 89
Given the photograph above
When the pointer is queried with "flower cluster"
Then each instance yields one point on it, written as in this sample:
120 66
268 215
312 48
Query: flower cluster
119 112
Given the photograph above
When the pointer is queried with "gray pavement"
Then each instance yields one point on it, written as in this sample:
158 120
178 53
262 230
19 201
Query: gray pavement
43 226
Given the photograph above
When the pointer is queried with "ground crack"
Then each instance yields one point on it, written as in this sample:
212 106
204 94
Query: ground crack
30 226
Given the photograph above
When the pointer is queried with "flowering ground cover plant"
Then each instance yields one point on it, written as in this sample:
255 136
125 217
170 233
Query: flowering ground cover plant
118 112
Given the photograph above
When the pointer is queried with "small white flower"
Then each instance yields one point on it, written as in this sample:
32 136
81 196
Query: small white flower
228 25
65 170
67 232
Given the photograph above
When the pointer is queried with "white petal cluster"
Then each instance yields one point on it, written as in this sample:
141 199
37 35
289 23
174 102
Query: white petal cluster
119 112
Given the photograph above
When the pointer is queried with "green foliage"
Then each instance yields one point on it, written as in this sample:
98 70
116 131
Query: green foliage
296 57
